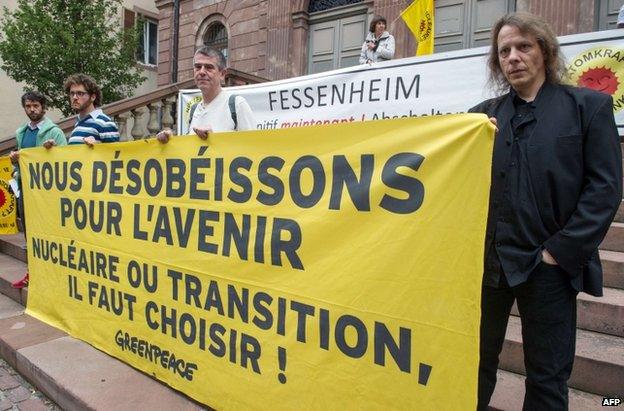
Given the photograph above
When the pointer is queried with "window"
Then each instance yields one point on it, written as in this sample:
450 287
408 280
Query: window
216 36
607 18
336 36
461 24
148 41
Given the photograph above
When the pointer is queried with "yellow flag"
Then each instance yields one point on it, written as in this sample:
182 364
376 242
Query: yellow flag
419 18
8 204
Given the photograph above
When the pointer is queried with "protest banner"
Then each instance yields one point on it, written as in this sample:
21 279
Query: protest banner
441 83
8 203
321 267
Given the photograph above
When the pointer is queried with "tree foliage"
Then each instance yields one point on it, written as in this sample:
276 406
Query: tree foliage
42 42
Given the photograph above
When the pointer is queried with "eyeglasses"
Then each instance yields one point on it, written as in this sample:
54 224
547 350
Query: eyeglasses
77 93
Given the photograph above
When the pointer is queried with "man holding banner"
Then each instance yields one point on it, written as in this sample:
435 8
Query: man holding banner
92 125
217 111
556 185
40 131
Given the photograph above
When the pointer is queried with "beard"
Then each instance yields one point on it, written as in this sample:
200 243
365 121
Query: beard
80 107
35 117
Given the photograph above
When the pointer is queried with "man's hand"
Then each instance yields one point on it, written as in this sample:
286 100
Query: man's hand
90 141
547 258
48 144
495 122
203 132
14 156
164 135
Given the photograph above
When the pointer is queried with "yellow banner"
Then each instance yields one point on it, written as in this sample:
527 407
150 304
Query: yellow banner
330 267
419 18
8 203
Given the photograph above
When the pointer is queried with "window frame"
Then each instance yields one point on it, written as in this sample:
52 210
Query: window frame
338 15
469 34
143 24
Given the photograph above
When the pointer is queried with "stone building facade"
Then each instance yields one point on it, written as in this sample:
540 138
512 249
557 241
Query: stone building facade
277 39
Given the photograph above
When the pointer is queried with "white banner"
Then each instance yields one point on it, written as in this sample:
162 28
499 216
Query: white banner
417 86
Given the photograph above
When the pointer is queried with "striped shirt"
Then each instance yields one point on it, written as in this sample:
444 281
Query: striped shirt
96 124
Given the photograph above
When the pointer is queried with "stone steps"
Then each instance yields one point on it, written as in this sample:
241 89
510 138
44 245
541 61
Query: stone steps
613 268
75 375
614 240
13 245
598 364
602 314
599 314
619 216
509 394
11 270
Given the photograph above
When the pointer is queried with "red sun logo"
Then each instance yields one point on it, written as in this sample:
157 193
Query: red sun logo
600 79
3 198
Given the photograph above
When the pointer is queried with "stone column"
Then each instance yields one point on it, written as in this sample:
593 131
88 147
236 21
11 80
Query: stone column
122 123
153 125
299 44
137 129
167 118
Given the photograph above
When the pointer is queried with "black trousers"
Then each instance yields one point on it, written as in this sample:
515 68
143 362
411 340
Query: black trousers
547 306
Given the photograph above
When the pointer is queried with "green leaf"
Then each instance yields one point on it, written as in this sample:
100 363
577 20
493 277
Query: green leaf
42 42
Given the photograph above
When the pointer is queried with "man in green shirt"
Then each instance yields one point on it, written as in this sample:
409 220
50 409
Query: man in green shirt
40 131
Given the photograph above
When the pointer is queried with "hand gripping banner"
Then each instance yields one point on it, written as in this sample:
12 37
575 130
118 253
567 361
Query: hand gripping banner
330 267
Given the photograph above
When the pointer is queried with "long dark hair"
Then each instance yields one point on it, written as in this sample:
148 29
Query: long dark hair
527 23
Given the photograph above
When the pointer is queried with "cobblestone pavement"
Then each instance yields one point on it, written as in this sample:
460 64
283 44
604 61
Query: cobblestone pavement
17 394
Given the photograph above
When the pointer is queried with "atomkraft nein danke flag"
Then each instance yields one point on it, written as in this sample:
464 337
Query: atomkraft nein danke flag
419 18
8 203
329 267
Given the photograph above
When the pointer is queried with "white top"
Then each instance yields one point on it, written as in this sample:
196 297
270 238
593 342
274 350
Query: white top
384 51
620 19
217 116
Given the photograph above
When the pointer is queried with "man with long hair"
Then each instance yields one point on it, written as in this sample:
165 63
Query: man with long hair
556 185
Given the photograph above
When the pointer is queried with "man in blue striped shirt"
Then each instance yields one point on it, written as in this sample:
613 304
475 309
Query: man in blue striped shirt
92 126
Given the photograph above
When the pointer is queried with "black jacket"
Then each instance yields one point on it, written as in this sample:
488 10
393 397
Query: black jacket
575 163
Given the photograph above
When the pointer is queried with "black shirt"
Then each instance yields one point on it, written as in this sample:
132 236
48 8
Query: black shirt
517 245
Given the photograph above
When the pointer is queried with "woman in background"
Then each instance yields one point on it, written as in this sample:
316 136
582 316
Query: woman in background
379 44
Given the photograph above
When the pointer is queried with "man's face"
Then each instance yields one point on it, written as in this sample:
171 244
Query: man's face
79 98
521 59
206 72
34 110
